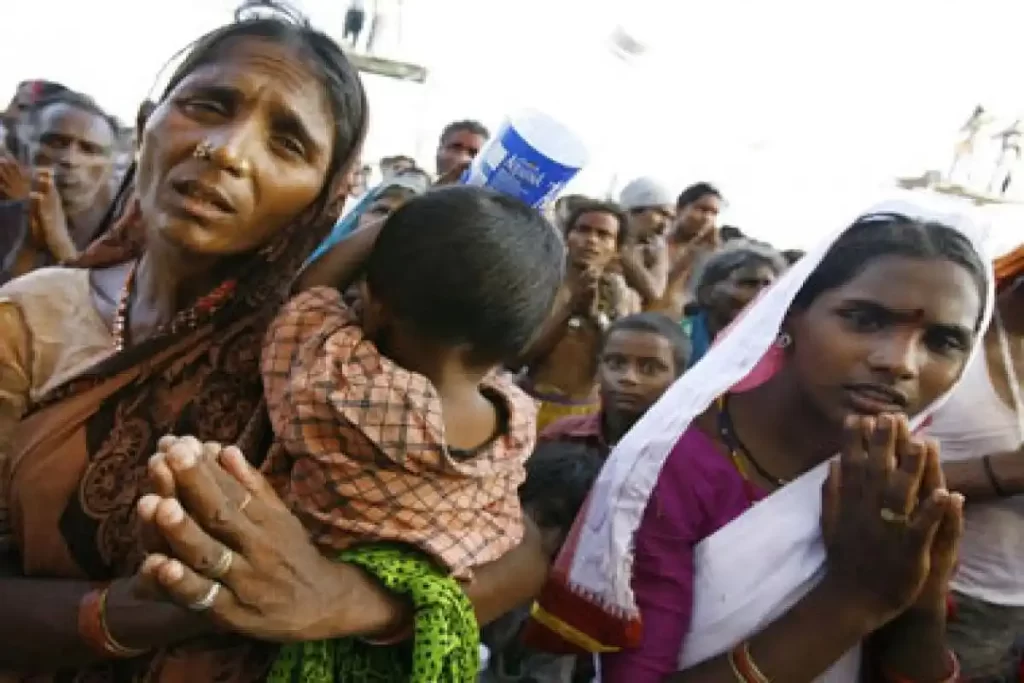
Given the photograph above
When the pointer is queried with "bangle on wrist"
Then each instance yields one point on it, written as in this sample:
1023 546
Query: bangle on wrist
743 666
93 629
953 677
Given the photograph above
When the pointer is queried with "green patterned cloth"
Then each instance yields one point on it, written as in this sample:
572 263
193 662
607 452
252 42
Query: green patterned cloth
445 647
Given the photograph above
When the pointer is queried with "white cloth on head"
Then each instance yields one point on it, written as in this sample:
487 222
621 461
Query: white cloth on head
745 577
645 193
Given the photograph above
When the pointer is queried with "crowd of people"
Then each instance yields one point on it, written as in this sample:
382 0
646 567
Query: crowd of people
262 419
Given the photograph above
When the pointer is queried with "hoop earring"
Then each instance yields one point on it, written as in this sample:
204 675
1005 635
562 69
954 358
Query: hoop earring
784 340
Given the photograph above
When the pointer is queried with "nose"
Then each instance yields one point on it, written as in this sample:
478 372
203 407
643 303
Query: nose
897 355
230 148
627 376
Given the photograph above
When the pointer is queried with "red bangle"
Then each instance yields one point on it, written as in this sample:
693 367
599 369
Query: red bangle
954 677
92 627
743 666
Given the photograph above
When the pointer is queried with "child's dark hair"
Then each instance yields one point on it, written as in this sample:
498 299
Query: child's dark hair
721 264
656 323
696 192
891 234
467 265
559 475
585 206
468 125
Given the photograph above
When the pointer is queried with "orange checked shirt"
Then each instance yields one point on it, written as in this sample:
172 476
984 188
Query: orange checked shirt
361 456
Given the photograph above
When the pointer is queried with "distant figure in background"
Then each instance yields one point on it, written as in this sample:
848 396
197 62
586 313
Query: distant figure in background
460 142
355 20
644 257
725 284
13 117
565 205
561 364
1010 151
359 182
71 147
966 145
392 165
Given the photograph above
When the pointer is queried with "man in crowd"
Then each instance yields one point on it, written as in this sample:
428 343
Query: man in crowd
460 142
561 365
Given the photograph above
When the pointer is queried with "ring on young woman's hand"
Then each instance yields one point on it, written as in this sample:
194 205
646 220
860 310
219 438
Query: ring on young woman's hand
222 566
245 502
206 602
893 517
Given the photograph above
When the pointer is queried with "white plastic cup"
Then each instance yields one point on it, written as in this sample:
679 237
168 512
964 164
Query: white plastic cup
532 157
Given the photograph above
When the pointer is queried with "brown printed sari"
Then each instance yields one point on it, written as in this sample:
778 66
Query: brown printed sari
77 463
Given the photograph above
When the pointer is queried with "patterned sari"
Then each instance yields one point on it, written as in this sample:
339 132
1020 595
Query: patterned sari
77 462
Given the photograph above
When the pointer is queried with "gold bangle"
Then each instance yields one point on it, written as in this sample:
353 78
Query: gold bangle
740 678
111 644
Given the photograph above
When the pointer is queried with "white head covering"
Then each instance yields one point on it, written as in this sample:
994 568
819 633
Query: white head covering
645 193
744 578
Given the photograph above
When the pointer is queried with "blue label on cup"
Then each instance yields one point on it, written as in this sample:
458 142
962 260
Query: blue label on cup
510 165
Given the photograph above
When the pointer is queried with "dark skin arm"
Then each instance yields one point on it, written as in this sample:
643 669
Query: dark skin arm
341 265
970 478
39 631
676 295
550 333
822 626
649 283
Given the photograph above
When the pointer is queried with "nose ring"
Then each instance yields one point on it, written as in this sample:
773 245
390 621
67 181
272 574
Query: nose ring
204 150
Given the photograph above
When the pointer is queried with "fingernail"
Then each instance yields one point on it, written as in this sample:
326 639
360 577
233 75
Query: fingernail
147 506
173 572
958 500
171 512
181 458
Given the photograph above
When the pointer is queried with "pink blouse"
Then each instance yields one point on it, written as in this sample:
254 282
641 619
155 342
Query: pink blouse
698 492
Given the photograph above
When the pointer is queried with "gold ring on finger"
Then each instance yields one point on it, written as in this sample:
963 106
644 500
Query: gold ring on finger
222 566
206 602
893 517
245 502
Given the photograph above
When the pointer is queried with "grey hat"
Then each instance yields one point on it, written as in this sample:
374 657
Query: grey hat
644 193
416 181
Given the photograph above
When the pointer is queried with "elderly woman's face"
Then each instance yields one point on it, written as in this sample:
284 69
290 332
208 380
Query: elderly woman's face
236 152
892 340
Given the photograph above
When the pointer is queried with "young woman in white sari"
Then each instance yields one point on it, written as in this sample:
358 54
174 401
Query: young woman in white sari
700 556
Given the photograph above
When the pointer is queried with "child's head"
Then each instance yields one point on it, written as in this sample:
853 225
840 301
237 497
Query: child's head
559 475
463 269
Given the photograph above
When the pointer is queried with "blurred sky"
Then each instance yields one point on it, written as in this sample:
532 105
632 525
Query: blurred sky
800 110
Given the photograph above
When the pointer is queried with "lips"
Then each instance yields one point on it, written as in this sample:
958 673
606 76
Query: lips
623 400
874 399
203 196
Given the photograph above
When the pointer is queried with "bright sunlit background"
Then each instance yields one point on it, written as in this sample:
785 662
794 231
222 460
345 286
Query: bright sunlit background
802 111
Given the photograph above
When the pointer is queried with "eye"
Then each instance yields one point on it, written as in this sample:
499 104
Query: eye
203 107
945 342
651 368
613 362
290 144
863 320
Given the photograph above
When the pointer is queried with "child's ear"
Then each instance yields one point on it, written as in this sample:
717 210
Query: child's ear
374 315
